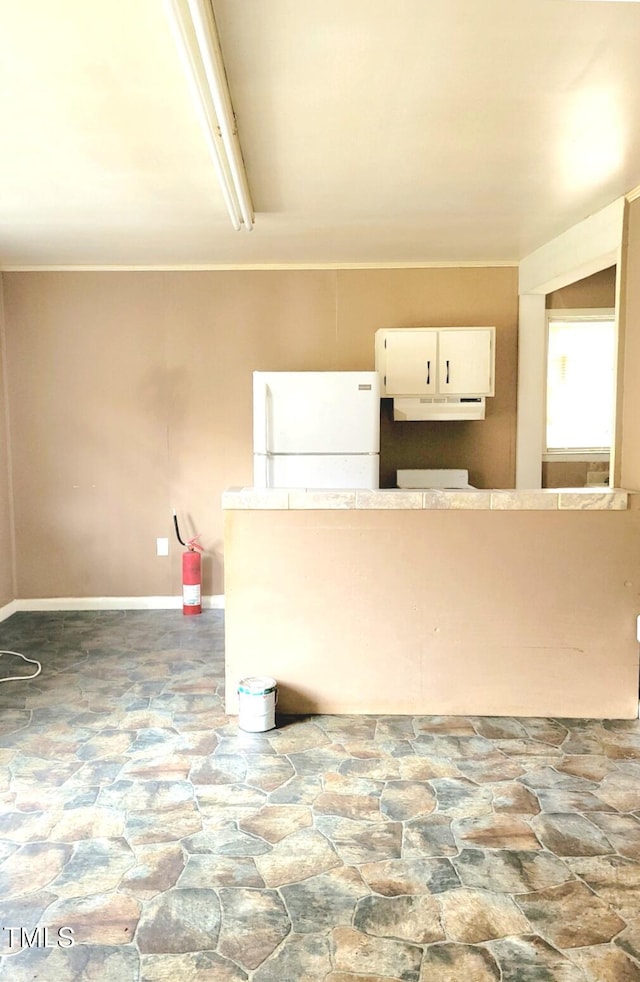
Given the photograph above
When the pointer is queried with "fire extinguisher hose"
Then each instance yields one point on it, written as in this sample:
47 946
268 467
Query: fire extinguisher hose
175 523
191 544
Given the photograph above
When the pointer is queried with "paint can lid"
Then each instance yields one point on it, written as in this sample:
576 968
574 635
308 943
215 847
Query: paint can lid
257 685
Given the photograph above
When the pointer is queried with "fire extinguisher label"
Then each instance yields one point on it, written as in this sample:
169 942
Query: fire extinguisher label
191 595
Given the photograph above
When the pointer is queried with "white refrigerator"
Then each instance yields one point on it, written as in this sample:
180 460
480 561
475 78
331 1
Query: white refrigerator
316 429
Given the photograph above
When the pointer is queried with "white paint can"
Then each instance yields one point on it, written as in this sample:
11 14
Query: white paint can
257 698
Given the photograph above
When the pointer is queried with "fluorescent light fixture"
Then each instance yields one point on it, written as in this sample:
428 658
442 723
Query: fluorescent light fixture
196 35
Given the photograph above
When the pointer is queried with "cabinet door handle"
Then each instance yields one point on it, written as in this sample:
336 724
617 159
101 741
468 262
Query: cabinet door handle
447 371
428 372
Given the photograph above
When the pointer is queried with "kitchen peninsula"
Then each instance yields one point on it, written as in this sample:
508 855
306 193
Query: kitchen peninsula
519 603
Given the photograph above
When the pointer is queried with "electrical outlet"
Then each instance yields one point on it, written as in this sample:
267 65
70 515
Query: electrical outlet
162 547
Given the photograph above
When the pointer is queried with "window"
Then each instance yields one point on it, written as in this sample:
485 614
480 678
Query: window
581 356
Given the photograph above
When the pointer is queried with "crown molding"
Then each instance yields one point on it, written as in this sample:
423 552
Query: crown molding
212 267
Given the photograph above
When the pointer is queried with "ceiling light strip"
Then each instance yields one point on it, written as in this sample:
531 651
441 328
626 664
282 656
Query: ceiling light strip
195 31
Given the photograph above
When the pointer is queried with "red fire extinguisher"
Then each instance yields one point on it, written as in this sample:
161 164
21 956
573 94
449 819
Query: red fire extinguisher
191 572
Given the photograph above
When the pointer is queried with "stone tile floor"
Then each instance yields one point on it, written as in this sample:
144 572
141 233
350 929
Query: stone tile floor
332 849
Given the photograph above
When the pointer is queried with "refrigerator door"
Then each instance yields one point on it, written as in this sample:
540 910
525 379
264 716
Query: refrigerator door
316 470
316 412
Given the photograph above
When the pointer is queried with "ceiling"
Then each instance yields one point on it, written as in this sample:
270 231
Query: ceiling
373 131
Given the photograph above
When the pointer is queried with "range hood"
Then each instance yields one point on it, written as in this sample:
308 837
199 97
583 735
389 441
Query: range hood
439 407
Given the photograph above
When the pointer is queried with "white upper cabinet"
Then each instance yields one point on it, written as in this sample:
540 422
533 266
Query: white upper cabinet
465 361
436 361
410 362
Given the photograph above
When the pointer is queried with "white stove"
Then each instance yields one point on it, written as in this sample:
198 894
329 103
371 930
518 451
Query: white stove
438 479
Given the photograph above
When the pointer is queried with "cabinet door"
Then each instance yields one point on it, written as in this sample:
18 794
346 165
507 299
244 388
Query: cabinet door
465 362
410 362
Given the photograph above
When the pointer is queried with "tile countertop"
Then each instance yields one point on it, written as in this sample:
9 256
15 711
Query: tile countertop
552 499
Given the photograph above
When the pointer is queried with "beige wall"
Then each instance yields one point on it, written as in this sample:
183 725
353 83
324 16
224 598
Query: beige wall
630 321
7 585
574 474
370 299
130 394
524 613
598 290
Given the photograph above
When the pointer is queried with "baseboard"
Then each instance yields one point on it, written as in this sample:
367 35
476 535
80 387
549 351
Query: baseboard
106 603
8 610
